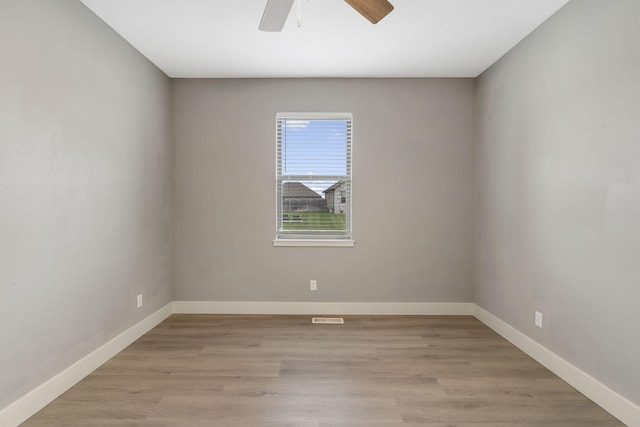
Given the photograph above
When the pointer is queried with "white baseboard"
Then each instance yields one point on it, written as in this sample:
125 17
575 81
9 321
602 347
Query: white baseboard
38 398
319 308
617 405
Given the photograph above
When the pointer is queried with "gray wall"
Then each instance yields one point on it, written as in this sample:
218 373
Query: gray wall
558 189
84 189
413 141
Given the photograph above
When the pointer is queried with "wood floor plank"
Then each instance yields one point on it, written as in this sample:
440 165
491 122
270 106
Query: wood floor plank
374 371
500 411
336 387
256 410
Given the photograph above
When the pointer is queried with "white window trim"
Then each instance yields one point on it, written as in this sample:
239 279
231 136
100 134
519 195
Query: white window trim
318 241
333 243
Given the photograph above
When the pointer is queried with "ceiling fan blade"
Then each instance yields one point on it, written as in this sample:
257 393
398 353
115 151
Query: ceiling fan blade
275 15
373 10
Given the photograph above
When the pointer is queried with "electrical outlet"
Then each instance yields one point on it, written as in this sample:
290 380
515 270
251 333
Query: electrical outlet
538 319
139 300
313 285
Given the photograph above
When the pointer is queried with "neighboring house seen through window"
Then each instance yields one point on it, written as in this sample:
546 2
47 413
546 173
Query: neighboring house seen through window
313 176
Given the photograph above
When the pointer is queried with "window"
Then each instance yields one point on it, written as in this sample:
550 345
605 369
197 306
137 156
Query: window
313 179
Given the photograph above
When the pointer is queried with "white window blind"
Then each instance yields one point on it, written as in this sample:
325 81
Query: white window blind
313 176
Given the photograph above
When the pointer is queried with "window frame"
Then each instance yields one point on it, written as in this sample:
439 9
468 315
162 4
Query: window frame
317 238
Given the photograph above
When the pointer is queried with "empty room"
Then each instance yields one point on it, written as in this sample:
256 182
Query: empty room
320 213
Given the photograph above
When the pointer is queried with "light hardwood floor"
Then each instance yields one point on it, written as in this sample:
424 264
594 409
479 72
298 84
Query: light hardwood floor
205 370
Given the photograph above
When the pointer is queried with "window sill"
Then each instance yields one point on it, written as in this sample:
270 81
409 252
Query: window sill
314 243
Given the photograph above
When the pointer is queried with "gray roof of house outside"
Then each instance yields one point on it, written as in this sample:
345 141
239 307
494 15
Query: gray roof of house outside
299 190
334 186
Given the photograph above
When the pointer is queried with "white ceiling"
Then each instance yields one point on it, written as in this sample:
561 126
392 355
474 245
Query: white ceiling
420 38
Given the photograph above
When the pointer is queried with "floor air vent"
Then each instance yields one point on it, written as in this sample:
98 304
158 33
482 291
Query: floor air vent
331 320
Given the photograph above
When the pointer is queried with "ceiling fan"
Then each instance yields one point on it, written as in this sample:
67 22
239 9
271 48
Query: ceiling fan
276 12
